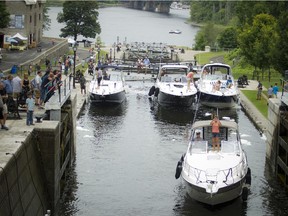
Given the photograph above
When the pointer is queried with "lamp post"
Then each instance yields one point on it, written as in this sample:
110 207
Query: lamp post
98 50
114 46
110 55
74 65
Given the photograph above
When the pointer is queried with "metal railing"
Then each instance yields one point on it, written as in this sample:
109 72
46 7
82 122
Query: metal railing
61 93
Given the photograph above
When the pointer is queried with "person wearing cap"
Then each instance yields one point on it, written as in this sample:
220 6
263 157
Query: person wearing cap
198 136
216 124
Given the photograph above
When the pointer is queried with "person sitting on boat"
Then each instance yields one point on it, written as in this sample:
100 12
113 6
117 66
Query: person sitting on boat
198 136
217 86
229 82
216 124
190 79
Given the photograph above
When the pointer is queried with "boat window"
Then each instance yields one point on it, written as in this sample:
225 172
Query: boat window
229 146
198 147
183 79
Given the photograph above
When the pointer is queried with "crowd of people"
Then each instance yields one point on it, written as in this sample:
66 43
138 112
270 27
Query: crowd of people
22 92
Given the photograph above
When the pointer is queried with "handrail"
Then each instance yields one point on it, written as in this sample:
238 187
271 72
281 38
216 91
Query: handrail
61 94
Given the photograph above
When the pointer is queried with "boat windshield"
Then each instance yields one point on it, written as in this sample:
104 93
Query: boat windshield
198 147
229 147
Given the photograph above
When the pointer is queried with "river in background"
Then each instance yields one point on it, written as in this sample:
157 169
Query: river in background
116 22
127 154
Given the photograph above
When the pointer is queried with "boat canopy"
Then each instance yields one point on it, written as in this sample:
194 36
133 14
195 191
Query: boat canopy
205 123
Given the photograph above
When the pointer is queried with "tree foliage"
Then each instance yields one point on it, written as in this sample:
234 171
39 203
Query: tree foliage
81 18
228 38
262 40
5 16
256 42
46 19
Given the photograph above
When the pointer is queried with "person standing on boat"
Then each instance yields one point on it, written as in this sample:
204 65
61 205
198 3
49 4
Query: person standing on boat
216 124
190 78
98 76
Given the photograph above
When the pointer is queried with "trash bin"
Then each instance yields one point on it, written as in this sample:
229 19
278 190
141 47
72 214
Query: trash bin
14 69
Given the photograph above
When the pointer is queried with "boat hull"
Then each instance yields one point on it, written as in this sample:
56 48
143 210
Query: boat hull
218 101
223 195
165 99
116 98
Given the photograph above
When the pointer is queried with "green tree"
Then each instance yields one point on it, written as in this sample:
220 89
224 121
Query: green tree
46 19
228 38
81 19
257 42
206 36
4 14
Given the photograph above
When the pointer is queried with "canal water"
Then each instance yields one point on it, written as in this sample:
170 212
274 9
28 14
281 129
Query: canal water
127 154
128 25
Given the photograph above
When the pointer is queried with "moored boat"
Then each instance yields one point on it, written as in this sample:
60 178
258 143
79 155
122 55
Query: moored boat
211 176
217 87
173 88
110 90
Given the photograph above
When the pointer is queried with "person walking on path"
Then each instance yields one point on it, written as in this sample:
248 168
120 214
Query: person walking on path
216 124
270 92
30 104
275 90
259 92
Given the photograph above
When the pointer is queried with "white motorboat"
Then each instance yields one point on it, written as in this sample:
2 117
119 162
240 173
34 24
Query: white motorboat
172 88
217 87
211 176
175 31
111 89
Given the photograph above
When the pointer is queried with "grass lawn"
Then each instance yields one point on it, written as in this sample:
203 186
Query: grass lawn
261 105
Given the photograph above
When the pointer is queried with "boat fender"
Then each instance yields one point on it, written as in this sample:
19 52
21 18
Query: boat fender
151 91
248 177
245 193
178 169
156 92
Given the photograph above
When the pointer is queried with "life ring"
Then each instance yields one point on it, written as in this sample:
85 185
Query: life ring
156 92
248 177
151 91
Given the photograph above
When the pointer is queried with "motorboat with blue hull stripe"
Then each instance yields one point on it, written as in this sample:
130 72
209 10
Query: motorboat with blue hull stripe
217 87
215 176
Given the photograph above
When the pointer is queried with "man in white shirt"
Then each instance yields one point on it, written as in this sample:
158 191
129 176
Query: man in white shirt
17 87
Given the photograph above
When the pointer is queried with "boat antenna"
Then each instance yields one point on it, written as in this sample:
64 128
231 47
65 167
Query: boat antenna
197 107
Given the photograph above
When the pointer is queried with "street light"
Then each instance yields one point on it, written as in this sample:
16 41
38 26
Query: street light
110 55
114 46
98 50
74 72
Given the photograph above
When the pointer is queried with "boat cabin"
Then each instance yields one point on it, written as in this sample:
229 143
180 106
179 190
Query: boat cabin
229 137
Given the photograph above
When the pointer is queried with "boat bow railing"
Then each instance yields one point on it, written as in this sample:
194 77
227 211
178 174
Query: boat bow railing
213 176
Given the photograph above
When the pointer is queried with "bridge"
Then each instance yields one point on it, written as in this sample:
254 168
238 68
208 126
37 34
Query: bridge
150 5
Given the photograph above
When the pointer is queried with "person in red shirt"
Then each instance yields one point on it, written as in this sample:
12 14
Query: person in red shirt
216 124
190 78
